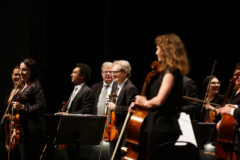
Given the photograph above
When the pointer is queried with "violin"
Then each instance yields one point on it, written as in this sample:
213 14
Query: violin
210 117
12 127
111 132
226 127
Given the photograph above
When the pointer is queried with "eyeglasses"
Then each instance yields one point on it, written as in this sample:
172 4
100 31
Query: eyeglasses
215 82
116 72
107 72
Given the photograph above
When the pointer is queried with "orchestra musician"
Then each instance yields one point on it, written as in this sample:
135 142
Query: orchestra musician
233 108
15 76
213 96
30 106
81 101
102 90
126 92
107 79
165 96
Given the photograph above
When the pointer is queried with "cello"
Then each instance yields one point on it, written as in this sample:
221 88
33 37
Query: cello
226 127
134 122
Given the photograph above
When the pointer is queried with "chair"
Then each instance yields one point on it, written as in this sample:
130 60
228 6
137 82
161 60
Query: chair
176 151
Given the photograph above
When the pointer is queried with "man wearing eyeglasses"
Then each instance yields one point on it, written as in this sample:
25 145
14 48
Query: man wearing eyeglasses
126 92
98 88
102 90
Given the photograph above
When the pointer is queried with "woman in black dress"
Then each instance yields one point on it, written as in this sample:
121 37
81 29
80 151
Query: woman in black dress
165 94
31 105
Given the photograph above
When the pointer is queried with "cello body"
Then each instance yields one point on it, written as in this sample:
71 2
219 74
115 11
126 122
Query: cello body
136 121
133 140
226 129
225 136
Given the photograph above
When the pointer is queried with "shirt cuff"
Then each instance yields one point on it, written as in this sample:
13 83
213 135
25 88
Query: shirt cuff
232 111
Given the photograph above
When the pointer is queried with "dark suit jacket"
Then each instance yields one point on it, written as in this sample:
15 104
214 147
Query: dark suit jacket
235 99
97 87
190 90
83 101
236 113
124 99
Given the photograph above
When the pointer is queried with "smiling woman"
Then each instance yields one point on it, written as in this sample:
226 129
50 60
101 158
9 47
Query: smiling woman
212 96
31 106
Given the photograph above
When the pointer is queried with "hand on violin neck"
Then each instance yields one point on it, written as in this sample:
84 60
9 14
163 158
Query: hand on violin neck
18 106
111 106
13 136
8 116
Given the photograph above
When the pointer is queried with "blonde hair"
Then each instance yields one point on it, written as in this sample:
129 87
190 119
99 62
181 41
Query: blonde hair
172 53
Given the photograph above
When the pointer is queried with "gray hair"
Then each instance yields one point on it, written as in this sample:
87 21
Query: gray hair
107 64
125 66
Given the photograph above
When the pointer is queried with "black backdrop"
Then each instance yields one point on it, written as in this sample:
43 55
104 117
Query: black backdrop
59 34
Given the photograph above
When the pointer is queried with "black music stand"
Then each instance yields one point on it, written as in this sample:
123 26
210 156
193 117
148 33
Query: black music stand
204 132
76 128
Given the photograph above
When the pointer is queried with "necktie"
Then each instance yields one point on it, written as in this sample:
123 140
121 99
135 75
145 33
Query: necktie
71 98
102 100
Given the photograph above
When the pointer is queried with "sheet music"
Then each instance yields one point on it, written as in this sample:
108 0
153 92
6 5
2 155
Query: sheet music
187 129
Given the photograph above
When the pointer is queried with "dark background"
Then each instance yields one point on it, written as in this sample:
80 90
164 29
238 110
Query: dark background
59 34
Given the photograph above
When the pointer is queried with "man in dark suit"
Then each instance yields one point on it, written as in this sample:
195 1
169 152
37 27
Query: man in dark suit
82 98
98 88
81 101
126 92
101 99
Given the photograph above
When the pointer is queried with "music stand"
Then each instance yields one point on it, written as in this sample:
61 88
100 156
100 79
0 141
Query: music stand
76 128
203 131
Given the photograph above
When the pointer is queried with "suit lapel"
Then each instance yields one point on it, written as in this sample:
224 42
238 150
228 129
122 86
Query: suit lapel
78 94
122 91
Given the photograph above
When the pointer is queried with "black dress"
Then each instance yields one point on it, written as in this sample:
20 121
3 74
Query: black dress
162 122
32 123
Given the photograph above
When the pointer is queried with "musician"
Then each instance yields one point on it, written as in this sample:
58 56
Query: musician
81 101
165 94
15 76
233 108
31 105
82 98
101 99
126 92
106 73
211 95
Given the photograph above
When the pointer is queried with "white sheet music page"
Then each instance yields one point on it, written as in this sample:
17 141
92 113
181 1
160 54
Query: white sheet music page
187 129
